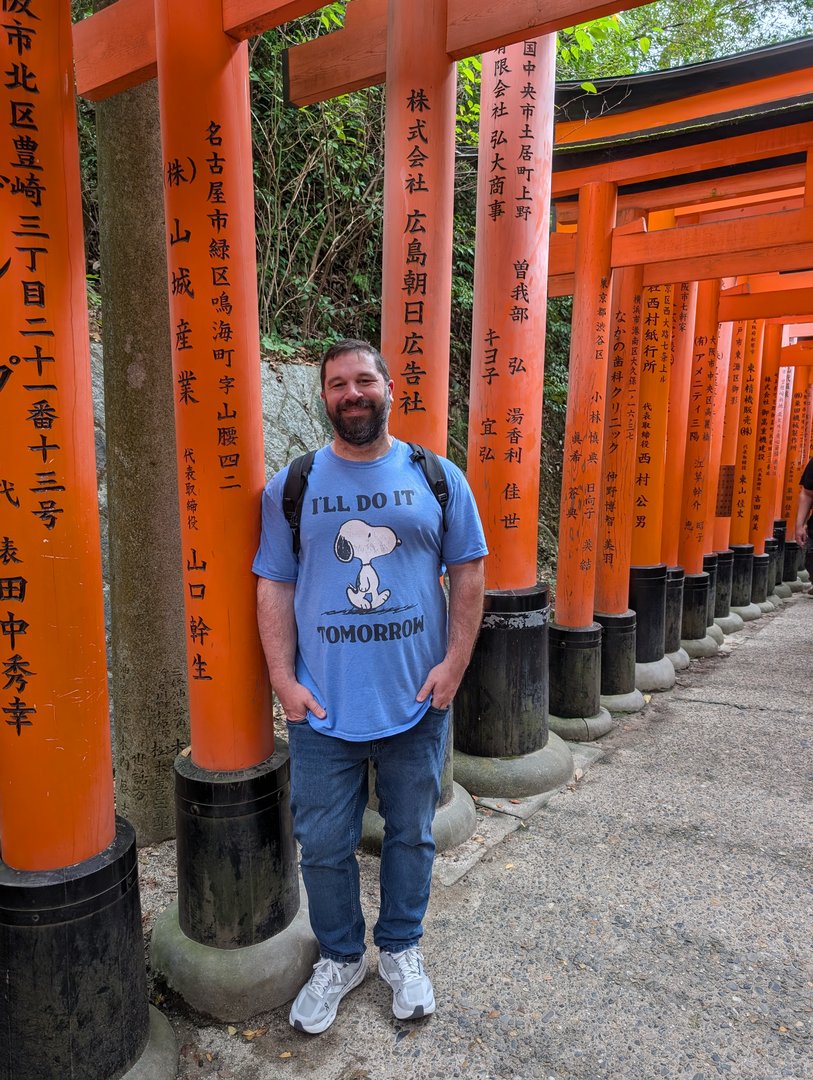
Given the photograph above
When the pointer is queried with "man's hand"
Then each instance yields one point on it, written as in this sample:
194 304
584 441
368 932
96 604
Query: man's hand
801 536
442 683
296 700
802 514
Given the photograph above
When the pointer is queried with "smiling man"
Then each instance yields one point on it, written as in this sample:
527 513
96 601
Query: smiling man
365 659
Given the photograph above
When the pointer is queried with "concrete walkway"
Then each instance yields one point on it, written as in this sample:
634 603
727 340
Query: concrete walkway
653 920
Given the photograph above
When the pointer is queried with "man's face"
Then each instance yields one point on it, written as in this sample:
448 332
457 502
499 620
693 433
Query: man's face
357 398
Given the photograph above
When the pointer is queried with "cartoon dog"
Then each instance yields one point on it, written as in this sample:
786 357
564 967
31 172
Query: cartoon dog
358 540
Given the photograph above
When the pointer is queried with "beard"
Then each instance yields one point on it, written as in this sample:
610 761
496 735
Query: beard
363 429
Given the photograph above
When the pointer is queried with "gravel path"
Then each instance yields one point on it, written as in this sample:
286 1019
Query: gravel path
653 920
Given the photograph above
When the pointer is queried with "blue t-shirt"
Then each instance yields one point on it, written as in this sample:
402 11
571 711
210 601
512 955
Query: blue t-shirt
370 609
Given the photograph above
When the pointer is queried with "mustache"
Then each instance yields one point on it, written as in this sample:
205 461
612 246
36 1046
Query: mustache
362 403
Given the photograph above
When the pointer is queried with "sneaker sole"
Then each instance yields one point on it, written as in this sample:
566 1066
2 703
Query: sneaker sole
401 1014
323 1025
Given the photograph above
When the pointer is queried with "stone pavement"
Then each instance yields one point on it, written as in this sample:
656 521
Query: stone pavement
652 920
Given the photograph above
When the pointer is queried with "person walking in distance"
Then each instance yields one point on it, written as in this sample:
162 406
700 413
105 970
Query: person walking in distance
365 658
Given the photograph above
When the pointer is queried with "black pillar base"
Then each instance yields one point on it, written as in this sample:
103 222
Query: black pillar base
675 653
618 690
696 640
501 708
781 587
73 984
648 600
237 941
728 620
790 568
759 583
741 581
502 743
575 683
772 550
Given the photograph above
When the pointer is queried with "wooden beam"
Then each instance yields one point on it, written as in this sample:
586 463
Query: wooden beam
791 85
788 305
703 191
797 355
774 282
355 57
742 213
720 154
761 202
115 48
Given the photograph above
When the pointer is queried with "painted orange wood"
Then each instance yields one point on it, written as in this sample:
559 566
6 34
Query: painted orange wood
244 18
725 334
761 526
754 201
801 420
790 304
618 461
742 213
561 285
809 176
747 432
701 192
719 154
696 531
734 98
584 427
208 201
114 49
759 283
793 256
685 309
418 217
780 437
56 774
510 303
320 71
728 451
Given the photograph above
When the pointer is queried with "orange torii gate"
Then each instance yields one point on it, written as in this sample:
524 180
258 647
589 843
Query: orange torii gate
735 198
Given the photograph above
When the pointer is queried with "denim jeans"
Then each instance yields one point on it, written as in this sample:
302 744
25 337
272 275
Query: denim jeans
329 790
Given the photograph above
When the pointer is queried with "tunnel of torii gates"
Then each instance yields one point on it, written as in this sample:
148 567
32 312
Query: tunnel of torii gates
682 224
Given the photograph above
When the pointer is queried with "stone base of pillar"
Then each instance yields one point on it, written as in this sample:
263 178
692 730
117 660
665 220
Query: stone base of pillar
656 676
679 660
748 612
731 623
715 633
766 607
160 1058
233 984
700 648
796 585
804 576
516 777
581 728
623 703
783 590
237 941
72 970
455 822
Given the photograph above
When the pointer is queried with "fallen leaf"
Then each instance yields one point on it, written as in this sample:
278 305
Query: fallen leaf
515 802
495 1013
783 1029
647 698
509 866
209 1056
613 839
286 1054
248 1034
231 1030
578 774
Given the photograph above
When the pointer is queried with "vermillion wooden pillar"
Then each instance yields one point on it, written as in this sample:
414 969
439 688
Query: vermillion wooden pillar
647 595
739 535
418 218
801 418
696 533
501 708
71 950
612 611
575 640
237 881
761 500
684 301
728 452
720 561
779 451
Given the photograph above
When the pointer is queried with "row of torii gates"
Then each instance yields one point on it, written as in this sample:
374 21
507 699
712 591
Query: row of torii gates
684 230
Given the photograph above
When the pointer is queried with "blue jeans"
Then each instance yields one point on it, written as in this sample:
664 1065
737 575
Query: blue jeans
329 790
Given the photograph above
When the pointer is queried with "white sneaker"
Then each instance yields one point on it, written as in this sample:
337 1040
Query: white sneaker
412 994
314 1009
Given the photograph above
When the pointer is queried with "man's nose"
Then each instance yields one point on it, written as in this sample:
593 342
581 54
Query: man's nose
353 392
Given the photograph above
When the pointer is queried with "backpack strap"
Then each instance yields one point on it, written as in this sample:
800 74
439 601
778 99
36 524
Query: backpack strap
293 494
432 469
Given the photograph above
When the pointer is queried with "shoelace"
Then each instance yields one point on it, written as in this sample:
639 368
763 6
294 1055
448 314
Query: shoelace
325 974
410 964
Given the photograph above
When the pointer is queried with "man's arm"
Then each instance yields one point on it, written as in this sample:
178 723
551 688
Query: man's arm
802 514
466 586
277 623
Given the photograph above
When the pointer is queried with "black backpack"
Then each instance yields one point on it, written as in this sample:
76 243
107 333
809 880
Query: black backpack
293 493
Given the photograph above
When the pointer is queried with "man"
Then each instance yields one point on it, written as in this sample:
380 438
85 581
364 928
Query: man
803 515
355 635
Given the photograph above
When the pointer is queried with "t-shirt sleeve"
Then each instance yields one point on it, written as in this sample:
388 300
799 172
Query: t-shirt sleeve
275 557
464 539
807 476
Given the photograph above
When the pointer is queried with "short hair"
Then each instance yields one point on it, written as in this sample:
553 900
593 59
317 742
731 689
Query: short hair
348 345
